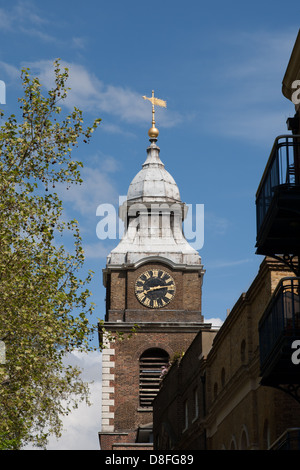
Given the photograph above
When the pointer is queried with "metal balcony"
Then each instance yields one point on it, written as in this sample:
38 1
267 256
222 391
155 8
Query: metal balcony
279 327
278 200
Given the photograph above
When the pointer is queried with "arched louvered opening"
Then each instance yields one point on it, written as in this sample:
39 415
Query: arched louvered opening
151 363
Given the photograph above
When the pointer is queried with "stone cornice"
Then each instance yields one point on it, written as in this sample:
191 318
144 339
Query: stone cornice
148 260
155 259
166 327
293 70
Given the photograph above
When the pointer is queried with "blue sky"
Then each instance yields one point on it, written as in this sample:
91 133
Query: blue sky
219 65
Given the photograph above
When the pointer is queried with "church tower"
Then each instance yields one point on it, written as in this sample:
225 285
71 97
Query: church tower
153 281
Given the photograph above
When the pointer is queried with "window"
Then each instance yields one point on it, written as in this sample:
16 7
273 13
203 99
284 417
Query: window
244 441
196 414
266 435
223 377
243 351
186 415
151 363
233 445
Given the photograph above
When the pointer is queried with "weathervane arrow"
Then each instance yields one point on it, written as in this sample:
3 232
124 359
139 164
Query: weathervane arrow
153 132
156 101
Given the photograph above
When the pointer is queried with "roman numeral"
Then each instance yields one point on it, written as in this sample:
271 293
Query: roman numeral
141 297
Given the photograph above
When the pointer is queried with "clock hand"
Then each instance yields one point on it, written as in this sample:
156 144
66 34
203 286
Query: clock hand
154 288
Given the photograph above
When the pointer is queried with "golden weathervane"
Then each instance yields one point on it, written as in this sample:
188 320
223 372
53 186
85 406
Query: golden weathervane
153 132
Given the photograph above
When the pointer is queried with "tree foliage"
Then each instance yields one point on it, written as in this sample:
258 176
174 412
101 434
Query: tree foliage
44 304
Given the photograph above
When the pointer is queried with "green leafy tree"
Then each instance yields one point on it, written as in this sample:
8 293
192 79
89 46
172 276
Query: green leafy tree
44 304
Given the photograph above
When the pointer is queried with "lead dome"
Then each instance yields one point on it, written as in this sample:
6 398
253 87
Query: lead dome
153 182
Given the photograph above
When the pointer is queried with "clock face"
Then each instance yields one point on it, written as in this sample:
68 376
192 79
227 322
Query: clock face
155 288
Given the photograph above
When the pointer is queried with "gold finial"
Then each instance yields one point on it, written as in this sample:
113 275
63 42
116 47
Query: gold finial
153 131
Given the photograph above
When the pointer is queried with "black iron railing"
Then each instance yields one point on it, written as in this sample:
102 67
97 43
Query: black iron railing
281 318
282 170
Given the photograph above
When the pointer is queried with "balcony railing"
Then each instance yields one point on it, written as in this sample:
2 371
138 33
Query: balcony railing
279 325
282 170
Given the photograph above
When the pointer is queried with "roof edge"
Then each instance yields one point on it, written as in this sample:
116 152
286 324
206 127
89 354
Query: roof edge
292 71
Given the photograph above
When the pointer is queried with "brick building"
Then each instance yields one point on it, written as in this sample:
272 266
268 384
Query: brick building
215 389
244 392
153 279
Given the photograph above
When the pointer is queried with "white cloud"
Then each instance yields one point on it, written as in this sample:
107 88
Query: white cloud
215 224
6 20
96 250
89 93
227 263
10 70
108 164
81 427
26 12
115 129
97 188
248 103
261 53
215 322
23 17
255 125
38 34
82 202
79 42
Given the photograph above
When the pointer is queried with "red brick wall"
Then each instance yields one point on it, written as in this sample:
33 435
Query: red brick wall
164 328
122 290
128 415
